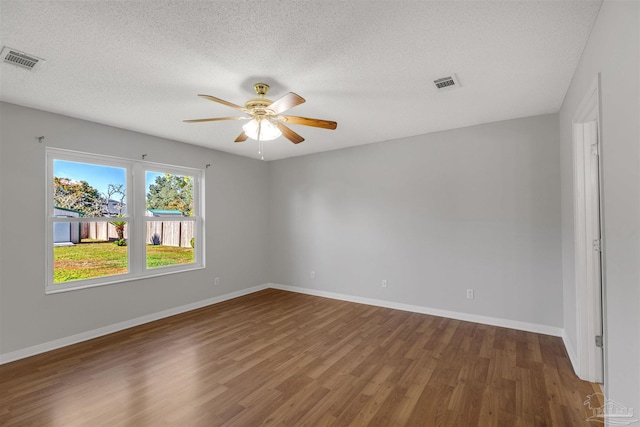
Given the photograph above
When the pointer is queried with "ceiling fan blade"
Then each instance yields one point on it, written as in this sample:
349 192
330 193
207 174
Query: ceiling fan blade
286 102
242 137
319 123
289 134
223 102
215 119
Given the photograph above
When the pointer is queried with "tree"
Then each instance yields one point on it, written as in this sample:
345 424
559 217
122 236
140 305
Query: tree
112 190
173 192
119 226
77 195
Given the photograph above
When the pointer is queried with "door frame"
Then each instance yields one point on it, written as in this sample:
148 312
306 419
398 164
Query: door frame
590 314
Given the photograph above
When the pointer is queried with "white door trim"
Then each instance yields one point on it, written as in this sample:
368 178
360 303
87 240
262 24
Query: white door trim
589 278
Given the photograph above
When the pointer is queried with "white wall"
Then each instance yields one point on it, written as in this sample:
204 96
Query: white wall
236 223
434 214
612 50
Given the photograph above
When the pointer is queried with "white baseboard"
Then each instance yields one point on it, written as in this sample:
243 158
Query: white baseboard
573 356
95 333
487 320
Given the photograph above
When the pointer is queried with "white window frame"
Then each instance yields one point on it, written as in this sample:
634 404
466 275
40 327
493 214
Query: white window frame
135 217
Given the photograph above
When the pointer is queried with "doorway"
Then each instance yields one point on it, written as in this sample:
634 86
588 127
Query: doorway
588 238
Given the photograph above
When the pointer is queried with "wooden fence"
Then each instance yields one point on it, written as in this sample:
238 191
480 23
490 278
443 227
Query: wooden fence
167 233
170 233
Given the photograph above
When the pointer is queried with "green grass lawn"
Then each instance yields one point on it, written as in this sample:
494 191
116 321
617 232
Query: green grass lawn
88 260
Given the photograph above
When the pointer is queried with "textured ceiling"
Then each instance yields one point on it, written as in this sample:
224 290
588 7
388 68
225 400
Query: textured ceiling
369 65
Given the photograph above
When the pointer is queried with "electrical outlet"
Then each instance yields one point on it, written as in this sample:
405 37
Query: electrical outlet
216 281
313 274
469 293
385 283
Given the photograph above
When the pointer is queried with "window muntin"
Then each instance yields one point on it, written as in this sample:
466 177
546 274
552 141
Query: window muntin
112 246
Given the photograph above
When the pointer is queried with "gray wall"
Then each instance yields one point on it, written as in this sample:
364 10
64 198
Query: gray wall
236 223
435 214
613 50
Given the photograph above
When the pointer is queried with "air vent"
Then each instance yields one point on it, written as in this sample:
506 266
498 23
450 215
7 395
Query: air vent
21 59
446 83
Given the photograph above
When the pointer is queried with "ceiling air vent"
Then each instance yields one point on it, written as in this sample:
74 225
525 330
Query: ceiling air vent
21 59
446 83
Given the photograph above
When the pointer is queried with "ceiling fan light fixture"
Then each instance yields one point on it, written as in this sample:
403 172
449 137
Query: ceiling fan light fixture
263 128
265 121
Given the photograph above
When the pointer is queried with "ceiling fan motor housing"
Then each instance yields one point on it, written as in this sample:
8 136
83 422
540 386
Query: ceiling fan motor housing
258 106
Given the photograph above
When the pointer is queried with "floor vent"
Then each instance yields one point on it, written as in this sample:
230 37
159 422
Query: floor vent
447 83
21 59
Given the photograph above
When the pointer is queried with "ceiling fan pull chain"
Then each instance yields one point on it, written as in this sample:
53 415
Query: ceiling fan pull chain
260 141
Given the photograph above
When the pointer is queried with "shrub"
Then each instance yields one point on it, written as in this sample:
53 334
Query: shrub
121 242
192 242
119 225
155 239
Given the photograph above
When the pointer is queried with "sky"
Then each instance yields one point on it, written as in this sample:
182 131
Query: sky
97 176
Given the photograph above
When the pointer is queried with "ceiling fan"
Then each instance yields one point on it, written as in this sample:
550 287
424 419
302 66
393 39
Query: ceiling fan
265 122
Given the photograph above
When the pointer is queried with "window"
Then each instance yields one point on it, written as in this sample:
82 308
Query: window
111 220
169 220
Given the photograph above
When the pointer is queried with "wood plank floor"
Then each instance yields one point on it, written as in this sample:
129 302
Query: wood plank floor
280 358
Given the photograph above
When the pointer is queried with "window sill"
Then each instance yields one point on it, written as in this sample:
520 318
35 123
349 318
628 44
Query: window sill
119 279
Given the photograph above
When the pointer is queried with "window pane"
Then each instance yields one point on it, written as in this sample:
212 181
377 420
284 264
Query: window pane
170 242
89 249
88 190
168 195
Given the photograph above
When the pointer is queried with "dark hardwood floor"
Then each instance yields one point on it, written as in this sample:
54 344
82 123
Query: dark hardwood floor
281 358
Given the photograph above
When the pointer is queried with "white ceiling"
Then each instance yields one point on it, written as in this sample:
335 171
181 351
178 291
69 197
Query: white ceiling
369 65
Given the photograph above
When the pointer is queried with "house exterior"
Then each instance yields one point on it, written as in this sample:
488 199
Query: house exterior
163 212
66 232
114 208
